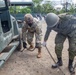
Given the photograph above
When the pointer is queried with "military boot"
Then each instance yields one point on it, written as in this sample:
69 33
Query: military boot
70 66
39 53
31 47
59 63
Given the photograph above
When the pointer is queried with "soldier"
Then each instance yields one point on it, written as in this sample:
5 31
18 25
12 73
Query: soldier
31 27
65 26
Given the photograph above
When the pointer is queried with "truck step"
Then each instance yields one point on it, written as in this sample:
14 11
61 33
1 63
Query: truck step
6 54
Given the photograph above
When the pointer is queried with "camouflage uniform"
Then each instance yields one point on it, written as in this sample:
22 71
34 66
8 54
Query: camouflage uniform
65 28
30 31
59 41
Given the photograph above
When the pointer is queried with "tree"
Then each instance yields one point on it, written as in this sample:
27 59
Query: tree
44 8
47 8
18 9
25 10
36 2
72 10
37 6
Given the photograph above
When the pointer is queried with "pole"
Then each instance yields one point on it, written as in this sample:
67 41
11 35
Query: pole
73 73
54 60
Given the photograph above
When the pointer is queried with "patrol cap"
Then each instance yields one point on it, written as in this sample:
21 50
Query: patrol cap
28 18
51 19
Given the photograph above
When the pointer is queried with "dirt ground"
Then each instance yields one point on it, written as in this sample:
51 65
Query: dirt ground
26 62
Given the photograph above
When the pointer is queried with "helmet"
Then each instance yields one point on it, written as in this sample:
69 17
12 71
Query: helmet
51 19
28 18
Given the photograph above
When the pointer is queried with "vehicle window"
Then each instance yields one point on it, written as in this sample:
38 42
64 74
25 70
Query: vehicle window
5 26
2 3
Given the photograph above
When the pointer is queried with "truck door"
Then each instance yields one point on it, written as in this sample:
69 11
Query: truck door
5 24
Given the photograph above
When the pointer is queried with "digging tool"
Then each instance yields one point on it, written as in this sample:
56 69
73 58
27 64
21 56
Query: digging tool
73 69
54 60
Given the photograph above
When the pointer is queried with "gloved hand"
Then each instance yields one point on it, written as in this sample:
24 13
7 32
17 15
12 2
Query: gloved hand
44 43
38 45
24 44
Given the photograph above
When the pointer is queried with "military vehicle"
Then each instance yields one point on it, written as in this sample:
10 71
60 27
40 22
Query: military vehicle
9 33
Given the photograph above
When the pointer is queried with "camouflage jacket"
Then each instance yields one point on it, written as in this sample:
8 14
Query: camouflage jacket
66 26
35 28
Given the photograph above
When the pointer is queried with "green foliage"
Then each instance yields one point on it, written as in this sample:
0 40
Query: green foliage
36 2
25 10
72 10
59 12
38 8
18 9
47 8
11 9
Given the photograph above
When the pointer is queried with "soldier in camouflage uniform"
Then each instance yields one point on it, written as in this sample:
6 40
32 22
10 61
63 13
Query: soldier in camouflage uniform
65 26
32 27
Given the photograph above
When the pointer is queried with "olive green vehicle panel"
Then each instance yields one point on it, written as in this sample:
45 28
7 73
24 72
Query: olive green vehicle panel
9 30
6 38
5 55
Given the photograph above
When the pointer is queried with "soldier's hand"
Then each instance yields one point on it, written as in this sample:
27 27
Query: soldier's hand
38 45
44 43
24 44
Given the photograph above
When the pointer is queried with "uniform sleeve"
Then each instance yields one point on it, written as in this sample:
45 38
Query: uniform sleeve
47 34
24 28
24 32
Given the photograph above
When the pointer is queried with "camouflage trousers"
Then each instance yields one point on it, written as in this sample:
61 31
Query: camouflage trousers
59 41
29 36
